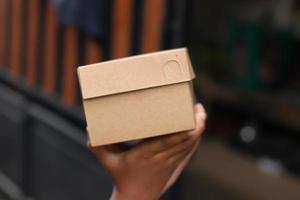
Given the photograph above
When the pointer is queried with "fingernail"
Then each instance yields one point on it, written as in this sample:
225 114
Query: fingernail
199 106
203 115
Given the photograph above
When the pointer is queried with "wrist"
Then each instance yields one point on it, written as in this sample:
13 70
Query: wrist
127 195
118 195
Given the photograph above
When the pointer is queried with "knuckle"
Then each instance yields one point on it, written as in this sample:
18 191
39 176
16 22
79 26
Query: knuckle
189 145
186 149
171 161
184 136
158 159
193 141
180 137
186 145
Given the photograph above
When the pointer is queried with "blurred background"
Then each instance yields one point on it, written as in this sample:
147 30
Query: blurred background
246 57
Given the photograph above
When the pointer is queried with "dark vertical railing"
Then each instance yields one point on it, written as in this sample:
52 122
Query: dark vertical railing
136 20
32 40
121 28
3 33
50 50
152 26
69 84
93 51
15 53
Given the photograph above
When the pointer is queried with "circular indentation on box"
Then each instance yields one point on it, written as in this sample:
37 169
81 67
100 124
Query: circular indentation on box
172 69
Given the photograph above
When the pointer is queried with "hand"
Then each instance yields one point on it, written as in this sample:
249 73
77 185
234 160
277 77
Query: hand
151 167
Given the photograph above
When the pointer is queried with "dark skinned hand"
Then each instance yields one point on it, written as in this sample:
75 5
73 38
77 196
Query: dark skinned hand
151 167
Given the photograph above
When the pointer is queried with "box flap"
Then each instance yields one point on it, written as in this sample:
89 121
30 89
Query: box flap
135 73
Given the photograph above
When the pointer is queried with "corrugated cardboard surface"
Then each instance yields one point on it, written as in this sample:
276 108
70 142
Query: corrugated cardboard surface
134 73
140 114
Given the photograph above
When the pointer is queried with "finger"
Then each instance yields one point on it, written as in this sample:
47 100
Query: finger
160 144
156 145
191 153
178 158
200 118
182 164
194 135
200 110
100 151
187 157
112 148
178 149
108 155
200 115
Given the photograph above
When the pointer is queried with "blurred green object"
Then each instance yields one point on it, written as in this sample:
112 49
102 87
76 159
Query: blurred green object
244 50
259 55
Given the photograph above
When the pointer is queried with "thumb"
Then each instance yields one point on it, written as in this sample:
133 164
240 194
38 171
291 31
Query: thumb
102 152
109 155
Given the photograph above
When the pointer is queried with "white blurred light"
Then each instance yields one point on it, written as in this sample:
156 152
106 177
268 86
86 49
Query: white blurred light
270 166
248 134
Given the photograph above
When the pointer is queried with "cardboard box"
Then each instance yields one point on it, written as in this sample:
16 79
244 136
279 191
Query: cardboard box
138 97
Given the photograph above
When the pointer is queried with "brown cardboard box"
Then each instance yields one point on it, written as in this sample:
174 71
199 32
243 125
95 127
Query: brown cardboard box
138 97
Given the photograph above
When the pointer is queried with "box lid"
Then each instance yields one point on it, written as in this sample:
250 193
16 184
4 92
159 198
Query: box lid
135 73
